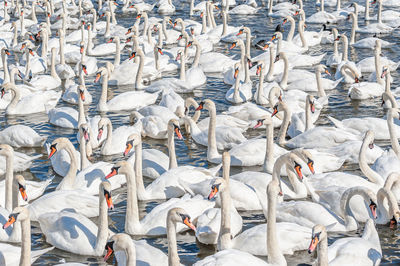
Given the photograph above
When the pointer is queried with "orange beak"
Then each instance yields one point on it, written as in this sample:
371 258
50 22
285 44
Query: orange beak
10 221
189 44
179 38
327 72
178 56
266 47
236 73
31 53
239 33
52 151
8 53
275 111
297 168
160 51
81 50
178 133
23 46
313 245
139 16
128 148
85 70
312 106
22 190
233 45
259 124
273 38
132 56
310 165
201 15
109 253
128 31
189 224
372 207
31 37
110 204
82 95
110 40
258 70
213 192
100 134
112 173
2 92
98 75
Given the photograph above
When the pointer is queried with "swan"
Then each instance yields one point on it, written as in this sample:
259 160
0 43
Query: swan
21 160
128 251
243 10
89 178
215 137
68 117
311 37
72 93
322 16
155 162
388 213
155 222
14 187
208 224
34 103
378 27
282 9
366 250
366 65
334 59
365 43
195 75
124 101
34 189
104 49
63 70
241 91
21 136
13 255
116 139
313 213
147 253
166 7
378 125
85 238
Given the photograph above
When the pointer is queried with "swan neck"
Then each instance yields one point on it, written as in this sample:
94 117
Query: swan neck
173 257
140 70
372 176
212 138
117 58
103 96
380 12
308 116
138 168
323 252
269 151
25 259
225 237
353 29
345 50
83 152
378 67
272 54
197 56
102 230
285 124
171 149
132 221
392 132
290 35
69 180
321 90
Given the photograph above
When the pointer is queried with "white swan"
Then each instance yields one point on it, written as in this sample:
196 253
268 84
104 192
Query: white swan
34 103
21 136
379 27
366 250
13 255
124 101
241 91
74 232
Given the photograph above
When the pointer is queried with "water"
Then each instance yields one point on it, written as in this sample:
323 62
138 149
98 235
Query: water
188 152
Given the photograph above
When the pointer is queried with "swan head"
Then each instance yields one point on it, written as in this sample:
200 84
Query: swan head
318 233
179 55
280 106
18 214
323 69
21 183
260 65
266 120
58 144
173 124
219 185
122 167
84 131
132 141
118 242
105 190
305 156
101 72
102 123
6 150
190 102
206 104
179 215
236 72
385 71
311 102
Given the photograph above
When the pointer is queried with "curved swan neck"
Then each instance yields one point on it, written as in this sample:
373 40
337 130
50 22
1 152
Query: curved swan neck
301 33
197 56
383 194
69 180
372 176
102 230
350 221
290 35
132 221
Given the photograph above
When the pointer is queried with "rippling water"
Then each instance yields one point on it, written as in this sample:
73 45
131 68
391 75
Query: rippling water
188 152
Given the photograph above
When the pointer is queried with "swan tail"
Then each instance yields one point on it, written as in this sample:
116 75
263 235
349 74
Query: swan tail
336 122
